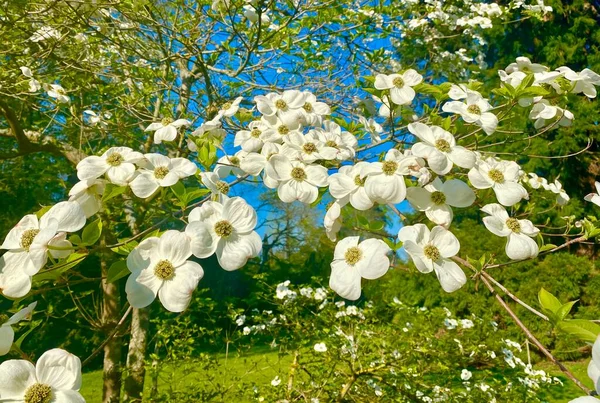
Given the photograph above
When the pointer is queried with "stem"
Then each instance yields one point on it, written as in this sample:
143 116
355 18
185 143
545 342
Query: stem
108 339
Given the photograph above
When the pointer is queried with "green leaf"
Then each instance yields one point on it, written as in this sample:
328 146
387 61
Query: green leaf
546 247
179 191
564 310
533 92
92 231
376 225
58 269
117 271
112 191
582 329
42 211
548 301
363 221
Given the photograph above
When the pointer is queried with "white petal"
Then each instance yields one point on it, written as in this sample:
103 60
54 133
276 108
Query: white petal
203 240
451 276
13 239
140 257
240 214
69 216
175 247
59 369
165 133
386 189
520 246
496 226
176 294
141 288
121 174
22 314
478 180
7 336
340 185
462 157
489 122
345 280
418 233
439 162
360 200
440 214
144 185
415 251
445 241
235 251
67 396
91 167
15 377
420 198
458 193
14 281
183 167
279 168
402 96
374 262
509 193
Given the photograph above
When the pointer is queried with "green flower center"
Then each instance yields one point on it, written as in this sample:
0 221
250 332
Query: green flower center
255 133
166 121
309 148
280 104
389 167
331 143
160 172
442 145
513 225
3 318
27 237
223 228
298 174
283 130
308 107
398 82
474 109
234 161
358 181
353 255
431 252
226 105
115 159
438 198
222 187
164 270
496 175
38 393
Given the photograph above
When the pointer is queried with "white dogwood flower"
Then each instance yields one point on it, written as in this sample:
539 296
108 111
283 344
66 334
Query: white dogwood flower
525 65
55 378
296 180
437 198
166 129
502 176
584 81
88 194
230 108
439 148
230 165
117 163
160 171
215 184
7 334
385 180
34 85
44 33
400 85
226 230
373 128
537 181
310 147
353 261
251 140
594 197
333 136
562 197
279 127
312 111
57 92
289 102
431 251
30 241
159 266
519 245
349 183
544 111
474 110
333 219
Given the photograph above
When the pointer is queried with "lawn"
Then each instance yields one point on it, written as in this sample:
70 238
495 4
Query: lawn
262 366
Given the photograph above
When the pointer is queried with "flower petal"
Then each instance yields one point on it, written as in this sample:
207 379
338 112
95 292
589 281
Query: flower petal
69 216
520 247
451 276
374 262
59 369
235 251
7 336
175 247
175 294
15 377
445 241
345 280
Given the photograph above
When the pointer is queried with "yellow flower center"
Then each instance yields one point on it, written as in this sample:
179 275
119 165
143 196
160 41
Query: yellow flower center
115 159
222 187
474 109
280 104
438 198
255 133
309 148
298 174
513 225
431 252
308 107
283 130
358 181
496 175
331 143
160 172
166 121
353 255
223 228
234 161
226 105
38 393
398 82
164 270
389 167
27 238
442 145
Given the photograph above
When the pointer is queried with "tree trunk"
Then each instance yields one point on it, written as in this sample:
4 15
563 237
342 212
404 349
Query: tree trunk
134 383
111 388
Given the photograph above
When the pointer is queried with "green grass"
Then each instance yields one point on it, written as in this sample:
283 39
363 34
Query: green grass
261 366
